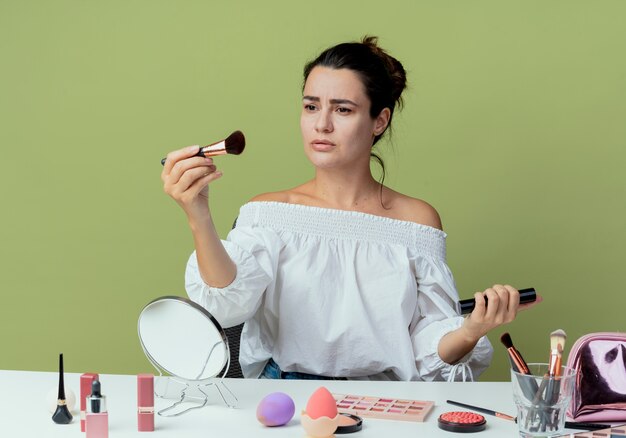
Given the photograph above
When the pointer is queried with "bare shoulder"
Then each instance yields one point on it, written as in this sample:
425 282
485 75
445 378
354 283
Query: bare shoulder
295 195
415 210
282 196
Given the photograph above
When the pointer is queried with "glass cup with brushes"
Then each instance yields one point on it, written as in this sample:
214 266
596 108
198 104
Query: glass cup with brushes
541 391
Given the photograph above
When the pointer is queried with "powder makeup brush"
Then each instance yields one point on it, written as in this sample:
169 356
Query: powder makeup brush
234 144
518 364
62 415
557 344
517 361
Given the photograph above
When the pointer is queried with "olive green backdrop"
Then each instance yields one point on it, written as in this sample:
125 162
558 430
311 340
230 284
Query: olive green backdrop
514 129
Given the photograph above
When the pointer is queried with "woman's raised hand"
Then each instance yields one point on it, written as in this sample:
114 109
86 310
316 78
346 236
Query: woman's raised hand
186 179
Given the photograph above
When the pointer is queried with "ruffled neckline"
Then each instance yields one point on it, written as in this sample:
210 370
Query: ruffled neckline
307 222
338 212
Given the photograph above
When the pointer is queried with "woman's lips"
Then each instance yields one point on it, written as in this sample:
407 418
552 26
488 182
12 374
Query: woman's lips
322 145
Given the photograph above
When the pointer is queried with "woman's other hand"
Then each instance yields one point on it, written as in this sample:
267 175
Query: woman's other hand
502 309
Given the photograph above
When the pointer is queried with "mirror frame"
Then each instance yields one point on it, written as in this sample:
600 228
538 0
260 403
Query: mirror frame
207 315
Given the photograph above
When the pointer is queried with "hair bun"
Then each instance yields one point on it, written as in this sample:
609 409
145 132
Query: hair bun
392 65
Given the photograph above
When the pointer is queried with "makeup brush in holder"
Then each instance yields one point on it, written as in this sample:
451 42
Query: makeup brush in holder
557 344
530 388
62 414
517 361
548 392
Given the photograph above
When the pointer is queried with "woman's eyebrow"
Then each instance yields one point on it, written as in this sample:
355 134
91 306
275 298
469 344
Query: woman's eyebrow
333 101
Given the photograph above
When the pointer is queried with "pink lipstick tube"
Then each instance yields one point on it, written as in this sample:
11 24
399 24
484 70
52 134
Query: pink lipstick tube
145 402
85 391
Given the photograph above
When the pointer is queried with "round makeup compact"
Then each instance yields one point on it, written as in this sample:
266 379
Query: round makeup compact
462 422
349 423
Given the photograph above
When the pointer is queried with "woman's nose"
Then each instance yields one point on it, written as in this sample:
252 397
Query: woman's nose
324 122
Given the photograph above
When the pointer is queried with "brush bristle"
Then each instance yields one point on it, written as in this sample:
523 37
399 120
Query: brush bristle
506 340
235 143
557 340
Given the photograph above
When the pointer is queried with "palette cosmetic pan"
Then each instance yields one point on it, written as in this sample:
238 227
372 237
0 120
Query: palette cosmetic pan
349 423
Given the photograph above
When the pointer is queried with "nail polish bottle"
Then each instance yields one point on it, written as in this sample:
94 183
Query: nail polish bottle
97 418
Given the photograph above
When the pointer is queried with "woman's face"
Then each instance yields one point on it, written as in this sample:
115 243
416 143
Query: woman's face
336 126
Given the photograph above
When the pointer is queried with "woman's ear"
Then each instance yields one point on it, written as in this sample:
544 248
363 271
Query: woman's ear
382 121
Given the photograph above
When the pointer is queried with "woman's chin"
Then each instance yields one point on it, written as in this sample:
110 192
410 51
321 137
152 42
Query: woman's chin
323 160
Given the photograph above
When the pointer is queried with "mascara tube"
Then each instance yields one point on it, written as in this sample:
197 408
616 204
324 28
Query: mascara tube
525 296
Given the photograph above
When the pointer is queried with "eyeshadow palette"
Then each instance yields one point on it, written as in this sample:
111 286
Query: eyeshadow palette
616 431
386 408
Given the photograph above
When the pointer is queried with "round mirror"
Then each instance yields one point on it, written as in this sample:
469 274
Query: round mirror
182 338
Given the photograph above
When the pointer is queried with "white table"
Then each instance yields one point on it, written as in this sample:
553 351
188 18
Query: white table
23 410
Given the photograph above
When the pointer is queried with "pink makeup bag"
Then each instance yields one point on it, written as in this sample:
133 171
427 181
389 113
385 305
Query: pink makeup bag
600 392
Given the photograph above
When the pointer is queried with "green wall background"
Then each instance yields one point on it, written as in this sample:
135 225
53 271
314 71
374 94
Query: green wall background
513 129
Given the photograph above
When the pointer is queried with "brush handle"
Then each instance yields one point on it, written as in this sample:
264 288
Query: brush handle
525 296
483 410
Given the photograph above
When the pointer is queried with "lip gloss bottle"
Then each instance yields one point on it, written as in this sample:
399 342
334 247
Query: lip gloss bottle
97 418
145 402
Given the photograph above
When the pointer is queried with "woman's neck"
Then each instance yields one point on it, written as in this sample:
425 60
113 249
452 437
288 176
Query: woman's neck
343 190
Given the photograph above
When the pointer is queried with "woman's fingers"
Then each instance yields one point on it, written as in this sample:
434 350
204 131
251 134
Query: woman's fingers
202 182
513 306
175 156
505 299
494 305
190 176
501 305
181 167
186 177
480 307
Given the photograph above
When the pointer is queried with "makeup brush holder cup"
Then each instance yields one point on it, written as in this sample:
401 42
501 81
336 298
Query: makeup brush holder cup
541 400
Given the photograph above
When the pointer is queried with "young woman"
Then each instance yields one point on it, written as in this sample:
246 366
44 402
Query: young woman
340 277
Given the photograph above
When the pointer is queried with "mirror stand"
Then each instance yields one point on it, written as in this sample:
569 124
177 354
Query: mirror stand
197 401
187 386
